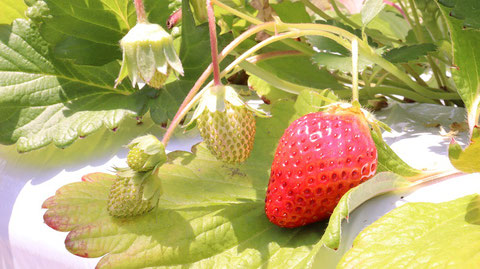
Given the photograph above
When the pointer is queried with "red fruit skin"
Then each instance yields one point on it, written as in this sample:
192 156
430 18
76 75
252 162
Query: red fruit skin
318 159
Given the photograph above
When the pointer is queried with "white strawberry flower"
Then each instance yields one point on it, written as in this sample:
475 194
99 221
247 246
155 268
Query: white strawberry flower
148 56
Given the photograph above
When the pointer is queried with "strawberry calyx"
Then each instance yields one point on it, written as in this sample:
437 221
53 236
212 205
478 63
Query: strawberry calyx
146 153
215 98
362 113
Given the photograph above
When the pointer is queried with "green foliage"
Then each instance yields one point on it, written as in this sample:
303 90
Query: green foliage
55 96
10 10
408 53
466 55
420 235
466 160
293 12
370 10
300 70
44 100
334 62
382 182
466 10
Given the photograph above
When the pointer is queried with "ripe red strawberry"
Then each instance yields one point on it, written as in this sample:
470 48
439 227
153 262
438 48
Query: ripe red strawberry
319 157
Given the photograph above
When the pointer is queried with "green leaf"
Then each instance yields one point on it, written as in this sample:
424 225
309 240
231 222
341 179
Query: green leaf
466 54
10 10
421 235
291 12
300 70
266 91
44 101
334 62
211 214
370 10
389 161
466 10
381 183
87 28
313 101
409 53
466 160
388 23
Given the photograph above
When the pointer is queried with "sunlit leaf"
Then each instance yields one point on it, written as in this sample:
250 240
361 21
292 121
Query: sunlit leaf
466 160
421 235
466 55
370 10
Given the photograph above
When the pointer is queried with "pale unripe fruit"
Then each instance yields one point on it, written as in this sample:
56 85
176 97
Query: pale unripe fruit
229 134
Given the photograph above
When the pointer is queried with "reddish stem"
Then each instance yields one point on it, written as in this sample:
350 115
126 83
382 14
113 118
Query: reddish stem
397 8
178 116
174 19
213 43
140 8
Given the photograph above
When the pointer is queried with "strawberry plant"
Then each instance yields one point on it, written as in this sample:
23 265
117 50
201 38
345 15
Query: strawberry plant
287 97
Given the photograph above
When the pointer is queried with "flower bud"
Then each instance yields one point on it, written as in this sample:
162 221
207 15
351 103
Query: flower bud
148 56
146 152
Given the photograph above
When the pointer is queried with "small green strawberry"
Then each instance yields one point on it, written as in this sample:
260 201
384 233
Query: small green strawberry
133 193
145 153
229 134
226 124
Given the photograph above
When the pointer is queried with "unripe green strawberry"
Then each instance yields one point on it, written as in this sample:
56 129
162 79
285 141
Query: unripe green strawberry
318 159
126 198
136 159
145 153
229 134
226 123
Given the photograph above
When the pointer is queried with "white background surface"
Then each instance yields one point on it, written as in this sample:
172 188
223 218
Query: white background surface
26 180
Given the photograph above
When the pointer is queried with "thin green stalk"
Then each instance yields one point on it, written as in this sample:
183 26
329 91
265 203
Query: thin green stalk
407 16
414 74
291 43
273 54
354 70
366 79
417 26
237 13
375 72
315 9
272 39
340 14
402 92
381 79
368 53
420 36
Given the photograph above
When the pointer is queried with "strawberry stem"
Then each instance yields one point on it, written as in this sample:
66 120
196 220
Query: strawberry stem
213 43
354 70
140 8
187 104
